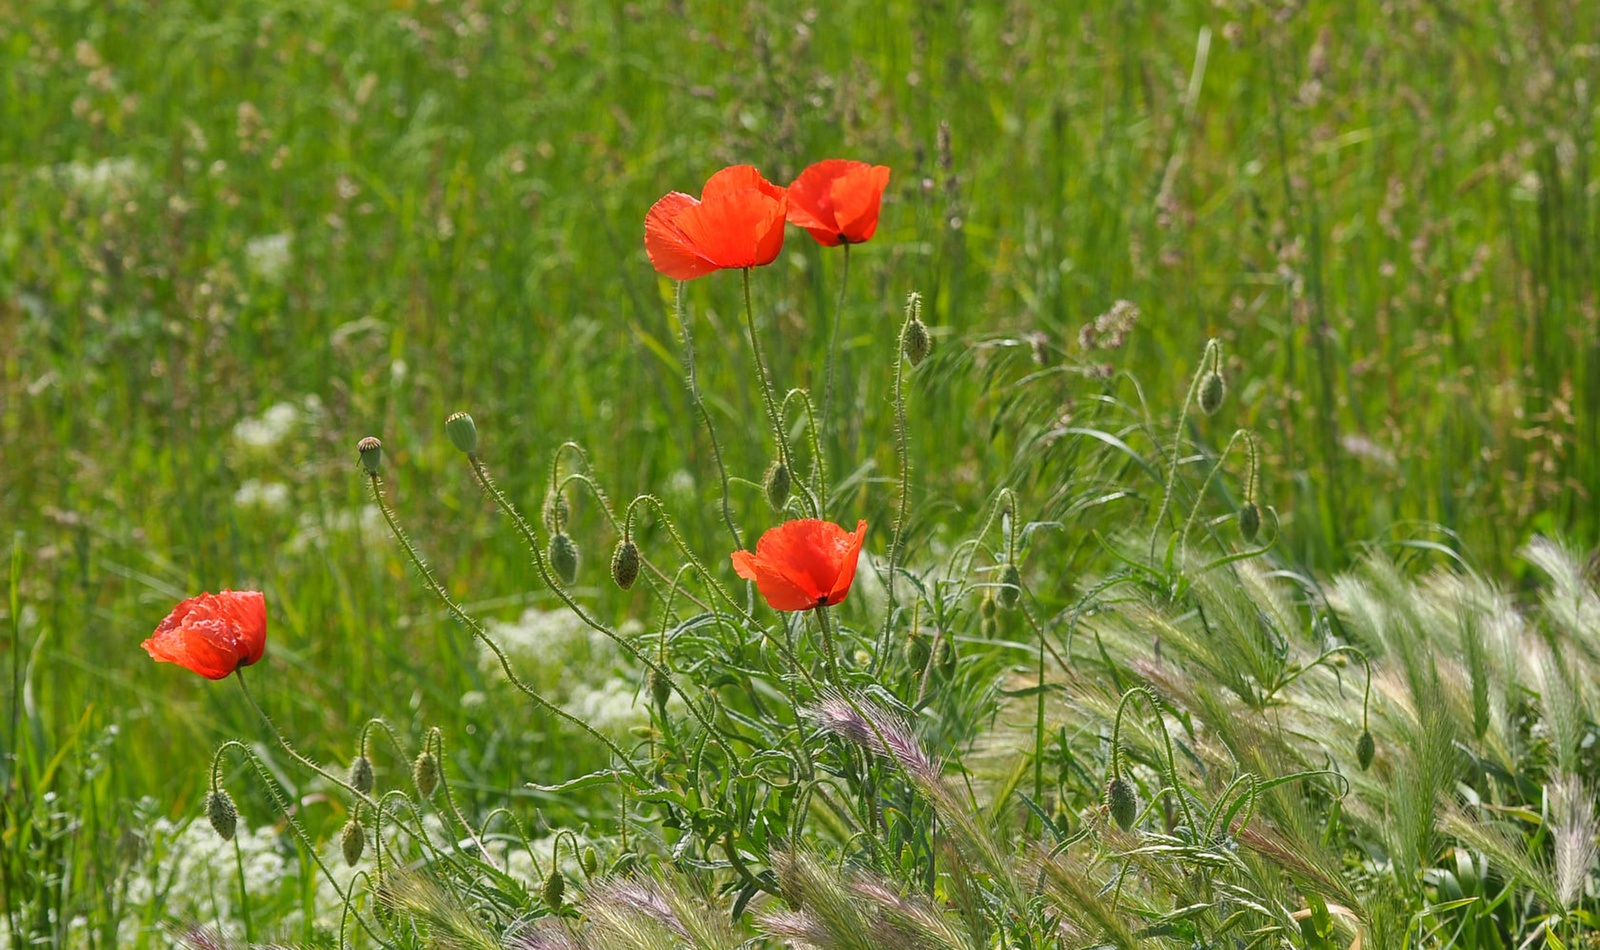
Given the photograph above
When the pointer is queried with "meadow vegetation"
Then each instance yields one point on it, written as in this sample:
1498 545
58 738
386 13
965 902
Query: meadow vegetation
1068 701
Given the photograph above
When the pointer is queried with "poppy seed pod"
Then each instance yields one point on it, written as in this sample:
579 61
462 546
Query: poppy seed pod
915 342
1212 389
918 649
1366 748
776 485
554 887
591 862
1249 521
564 557
625 563
1122 803
352 841
371 452
463 432
360 777
222 814
1011 590
425 772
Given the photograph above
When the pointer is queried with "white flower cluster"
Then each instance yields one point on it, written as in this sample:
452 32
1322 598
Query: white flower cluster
267 257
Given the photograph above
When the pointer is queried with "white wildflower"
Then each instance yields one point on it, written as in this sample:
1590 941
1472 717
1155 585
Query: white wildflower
268 429
267 257
255 493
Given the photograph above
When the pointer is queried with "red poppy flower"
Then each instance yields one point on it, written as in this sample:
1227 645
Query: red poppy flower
837 200
738 222
213 635
803 564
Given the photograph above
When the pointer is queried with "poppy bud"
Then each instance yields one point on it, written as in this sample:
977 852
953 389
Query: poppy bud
360 777
554 886
660 688
425 772
222 814
987 606
1249 522
352 841
555 512
1366 748
915 342
625 563
1011 591
1212 390
564 557
989 626
1122 803
463 432
918 649
946 661
371 451
591 862
777 485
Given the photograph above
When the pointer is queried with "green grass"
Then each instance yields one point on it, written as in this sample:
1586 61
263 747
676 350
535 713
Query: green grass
1388 216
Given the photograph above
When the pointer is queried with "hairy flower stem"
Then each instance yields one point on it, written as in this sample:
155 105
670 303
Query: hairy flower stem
477 630
550 580
766 380
699 404
833 340
902 456
1172 761
1177 442
830 649
1194 512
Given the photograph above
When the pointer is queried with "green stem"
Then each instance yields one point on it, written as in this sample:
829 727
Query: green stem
244 893
766 381
833 340
1177 444
902 456
705 417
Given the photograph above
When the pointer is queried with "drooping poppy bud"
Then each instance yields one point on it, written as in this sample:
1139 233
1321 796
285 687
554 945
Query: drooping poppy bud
1212 389
1122 803
213 634
776 485
352 841
360 777
222 814
1366 748
554 887
803 564
425 773
1010 590
987 607
371 452
463 432
918 649
945 662
625 563
838 200
660 688
1249 522
555 511
564 557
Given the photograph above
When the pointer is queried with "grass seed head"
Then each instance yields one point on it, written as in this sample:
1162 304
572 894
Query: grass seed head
625 563
463 432
222 814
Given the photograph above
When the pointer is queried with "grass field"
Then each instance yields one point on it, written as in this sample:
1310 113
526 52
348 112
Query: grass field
236 237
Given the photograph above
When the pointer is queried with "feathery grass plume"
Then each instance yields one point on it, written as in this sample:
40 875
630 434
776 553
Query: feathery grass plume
667 906
1570 811
917 919
828 917
1562 710
1477 667
437 910
544 933
865 723
1570 601
1500 841
197 937
1082 901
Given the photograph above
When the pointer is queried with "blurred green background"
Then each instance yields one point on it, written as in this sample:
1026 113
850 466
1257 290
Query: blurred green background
235 237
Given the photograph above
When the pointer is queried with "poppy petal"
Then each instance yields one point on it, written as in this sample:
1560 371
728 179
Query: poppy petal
779 592
847 565
734 229
737 178
670 252
857 198
811 195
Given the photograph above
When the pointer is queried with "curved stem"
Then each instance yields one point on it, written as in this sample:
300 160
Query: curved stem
705 416
901 456
1172 761
1177 443
477 630
1194 512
